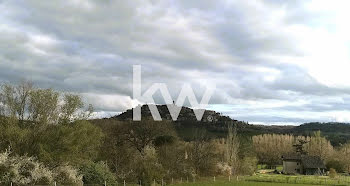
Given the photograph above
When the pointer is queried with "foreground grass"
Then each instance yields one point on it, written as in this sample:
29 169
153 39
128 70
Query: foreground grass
240 183
300 179
225 182
270 180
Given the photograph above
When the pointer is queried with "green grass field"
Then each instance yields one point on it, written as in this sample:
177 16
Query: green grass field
240 183
271 180
300 179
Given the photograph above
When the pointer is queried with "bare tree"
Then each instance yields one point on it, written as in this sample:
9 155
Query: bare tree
23 91
14 100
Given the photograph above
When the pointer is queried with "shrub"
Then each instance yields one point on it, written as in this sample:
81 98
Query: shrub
23 170
332 173
97 173
248 165
223 168
67 175
335 164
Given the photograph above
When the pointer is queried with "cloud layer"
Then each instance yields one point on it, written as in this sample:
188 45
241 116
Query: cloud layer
272 61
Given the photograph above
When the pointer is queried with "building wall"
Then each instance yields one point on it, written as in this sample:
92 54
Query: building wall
292 167
314 171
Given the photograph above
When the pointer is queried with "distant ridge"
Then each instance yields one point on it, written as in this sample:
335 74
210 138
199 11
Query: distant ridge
215 124
186 114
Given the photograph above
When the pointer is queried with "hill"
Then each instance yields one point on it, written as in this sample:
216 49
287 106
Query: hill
215 125
337 133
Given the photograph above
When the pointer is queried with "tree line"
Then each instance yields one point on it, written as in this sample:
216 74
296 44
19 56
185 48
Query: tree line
269 149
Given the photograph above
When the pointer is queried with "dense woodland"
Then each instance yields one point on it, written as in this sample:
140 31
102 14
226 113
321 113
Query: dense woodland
46 136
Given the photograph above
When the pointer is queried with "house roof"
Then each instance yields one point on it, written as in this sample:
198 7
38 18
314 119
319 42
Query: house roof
312 162
291 156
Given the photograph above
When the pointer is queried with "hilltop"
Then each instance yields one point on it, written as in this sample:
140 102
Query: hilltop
215 125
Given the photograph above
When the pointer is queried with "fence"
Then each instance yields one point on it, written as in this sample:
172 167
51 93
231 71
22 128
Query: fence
268 178
161 182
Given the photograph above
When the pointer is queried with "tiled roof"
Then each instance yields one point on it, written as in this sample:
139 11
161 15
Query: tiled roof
312 162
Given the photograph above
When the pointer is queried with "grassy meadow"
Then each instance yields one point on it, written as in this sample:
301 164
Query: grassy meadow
270 180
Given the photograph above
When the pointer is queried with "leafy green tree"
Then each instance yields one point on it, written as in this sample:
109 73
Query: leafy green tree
43 106
335 164
72 103
149 168
97 173
248 165
75 143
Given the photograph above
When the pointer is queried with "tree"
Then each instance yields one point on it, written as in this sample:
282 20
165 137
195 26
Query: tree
97 173
144 133
43 106
75 143
248 165
202 154
149 168
299 147
72 103
337 165
319 146
270 147
23 91
232 148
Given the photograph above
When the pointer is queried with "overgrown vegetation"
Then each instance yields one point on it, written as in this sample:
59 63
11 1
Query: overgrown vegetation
46 137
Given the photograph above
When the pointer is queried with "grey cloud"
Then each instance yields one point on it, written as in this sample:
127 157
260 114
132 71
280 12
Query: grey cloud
90 46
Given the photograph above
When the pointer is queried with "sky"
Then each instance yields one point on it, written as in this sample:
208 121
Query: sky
272 61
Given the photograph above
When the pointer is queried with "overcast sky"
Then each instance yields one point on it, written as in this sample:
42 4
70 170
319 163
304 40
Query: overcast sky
273 61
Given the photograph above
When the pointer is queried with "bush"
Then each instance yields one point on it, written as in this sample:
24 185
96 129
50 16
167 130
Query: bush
332 173
248 165
223 169
67 175
23 170
97 173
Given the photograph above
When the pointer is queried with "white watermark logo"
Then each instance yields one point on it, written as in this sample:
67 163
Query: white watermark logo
174 109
